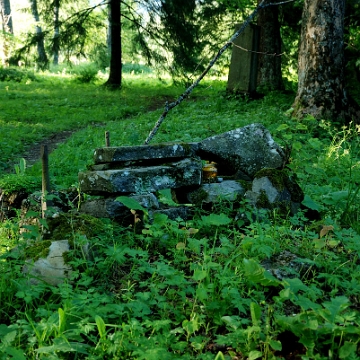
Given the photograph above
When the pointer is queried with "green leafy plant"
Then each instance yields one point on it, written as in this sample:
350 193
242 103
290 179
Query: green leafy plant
174 288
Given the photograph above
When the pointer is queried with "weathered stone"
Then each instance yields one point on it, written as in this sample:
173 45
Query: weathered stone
274 188
186 172
144 152
286 265
52 269
113 209
229 190
248 149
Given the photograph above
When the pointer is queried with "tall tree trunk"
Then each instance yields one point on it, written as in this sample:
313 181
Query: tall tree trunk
269 66
56 37
115 75
108 35
7 28
42 59
321 88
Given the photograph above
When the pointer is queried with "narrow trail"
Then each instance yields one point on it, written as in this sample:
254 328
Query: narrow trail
32 153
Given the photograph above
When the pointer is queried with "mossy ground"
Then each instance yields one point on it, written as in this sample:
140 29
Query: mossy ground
38 250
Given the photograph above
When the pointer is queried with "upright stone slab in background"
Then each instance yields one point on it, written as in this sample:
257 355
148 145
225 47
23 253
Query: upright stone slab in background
140 180
243 66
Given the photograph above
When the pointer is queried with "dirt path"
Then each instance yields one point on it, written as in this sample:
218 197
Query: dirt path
32 154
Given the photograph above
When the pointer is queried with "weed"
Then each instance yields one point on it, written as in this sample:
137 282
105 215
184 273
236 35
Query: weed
173 288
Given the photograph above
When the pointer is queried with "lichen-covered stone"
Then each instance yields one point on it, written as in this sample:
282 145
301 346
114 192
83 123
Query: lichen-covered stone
142 180
246 149
229 190
113 209
144 152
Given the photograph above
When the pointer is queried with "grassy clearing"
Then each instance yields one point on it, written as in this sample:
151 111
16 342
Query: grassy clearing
194 289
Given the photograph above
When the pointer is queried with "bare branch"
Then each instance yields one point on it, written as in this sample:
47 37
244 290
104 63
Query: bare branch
257 52
188 91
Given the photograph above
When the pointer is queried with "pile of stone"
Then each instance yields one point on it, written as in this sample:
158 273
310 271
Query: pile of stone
246 163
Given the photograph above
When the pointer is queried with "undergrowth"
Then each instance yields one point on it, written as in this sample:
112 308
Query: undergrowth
176 289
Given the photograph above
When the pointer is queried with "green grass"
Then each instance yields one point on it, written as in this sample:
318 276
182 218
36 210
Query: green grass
189 290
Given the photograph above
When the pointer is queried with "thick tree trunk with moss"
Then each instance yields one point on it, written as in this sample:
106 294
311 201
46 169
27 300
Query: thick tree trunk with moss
115 75
321 89
269 61
42 60
7 28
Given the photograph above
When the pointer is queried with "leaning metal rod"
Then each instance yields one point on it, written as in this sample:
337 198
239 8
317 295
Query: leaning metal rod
188 91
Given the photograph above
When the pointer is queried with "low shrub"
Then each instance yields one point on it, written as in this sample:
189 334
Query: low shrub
17 75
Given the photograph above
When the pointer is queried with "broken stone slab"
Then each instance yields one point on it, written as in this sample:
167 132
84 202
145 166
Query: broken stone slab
249 149
52 267
230 190
145 152
187 172
114 209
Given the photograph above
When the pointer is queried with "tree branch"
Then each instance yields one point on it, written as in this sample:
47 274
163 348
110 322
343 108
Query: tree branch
188 91
257 52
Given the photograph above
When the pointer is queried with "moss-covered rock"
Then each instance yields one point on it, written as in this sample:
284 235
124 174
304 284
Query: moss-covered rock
45 261
66 225
283 179
37 250
276 189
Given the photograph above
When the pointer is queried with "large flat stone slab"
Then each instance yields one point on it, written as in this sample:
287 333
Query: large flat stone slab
187 172
144 152
248 149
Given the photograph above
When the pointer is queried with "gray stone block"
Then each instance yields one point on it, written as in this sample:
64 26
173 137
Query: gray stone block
214 192
248 149
187 172
144 152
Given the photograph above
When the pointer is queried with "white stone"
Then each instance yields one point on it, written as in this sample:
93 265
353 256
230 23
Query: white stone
52 269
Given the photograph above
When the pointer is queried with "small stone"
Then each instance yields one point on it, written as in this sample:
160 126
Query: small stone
52 269
214 192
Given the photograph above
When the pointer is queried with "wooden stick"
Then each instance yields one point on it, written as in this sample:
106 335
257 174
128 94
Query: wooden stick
107 139
44 155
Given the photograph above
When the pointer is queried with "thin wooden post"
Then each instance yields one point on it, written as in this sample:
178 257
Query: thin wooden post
44 154
107 138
